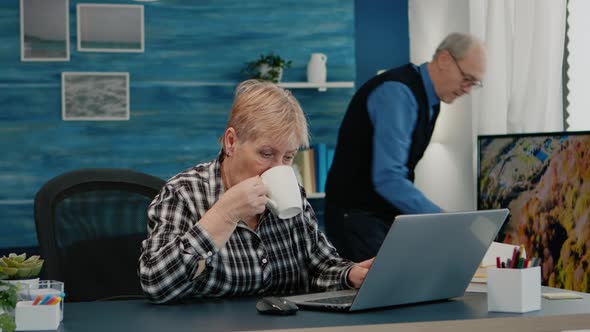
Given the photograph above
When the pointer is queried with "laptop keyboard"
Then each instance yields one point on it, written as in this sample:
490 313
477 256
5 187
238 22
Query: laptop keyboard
335 300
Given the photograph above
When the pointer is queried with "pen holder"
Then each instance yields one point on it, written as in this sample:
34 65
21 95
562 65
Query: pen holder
29 317
44 288
514 290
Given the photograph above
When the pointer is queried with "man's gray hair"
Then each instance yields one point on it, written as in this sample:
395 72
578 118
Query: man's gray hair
458 44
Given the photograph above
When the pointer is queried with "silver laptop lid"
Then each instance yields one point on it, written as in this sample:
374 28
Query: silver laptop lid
428 257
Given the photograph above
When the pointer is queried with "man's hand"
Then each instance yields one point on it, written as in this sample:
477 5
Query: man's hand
359 271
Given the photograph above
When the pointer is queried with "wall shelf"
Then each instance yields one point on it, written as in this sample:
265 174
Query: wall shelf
319 86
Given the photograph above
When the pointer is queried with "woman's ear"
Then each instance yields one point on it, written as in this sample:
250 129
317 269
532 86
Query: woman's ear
230 140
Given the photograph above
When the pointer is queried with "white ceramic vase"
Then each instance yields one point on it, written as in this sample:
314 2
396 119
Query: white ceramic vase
316 68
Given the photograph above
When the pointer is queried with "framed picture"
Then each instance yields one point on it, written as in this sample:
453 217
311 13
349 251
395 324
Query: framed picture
110 28
95 96
44 30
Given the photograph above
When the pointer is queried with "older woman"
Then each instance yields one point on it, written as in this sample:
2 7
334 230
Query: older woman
210 233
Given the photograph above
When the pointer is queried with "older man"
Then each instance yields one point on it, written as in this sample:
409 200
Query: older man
384 134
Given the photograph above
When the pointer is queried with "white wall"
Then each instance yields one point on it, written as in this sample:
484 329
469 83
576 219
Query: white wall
445 173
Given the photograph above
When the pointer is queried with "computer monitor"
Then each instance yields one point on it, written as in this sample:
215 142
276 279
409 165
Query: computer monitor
544 179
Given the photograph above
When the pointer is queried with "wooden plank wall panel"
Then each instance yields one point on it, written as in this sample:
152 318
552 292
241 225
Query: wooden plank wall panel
181 91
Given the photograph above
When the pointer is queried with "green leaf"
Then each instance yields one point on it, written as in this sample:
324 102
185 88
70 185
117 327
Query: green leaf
18 258
35 270
7 323
32 259
7 296
23 272
8 300
9 262
9 271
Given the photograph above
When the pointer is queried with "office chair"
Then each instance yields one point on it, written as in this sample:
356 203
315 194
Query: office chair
90 224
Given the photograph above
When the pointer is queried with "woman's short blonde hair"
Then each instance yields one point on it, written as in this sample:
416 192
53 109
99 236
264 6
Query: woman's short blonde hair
263 109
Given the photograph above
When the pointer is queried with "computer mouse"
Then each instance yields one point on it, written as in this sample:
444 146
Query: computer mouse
276 306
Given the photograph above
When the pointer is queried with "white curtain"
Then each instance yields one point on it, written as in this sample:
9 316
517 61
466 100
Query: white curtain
522 89
444 174
523 86
579 66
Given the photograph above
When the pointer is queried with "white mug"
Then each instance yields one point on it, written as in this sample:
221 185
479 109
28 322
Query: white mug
284 197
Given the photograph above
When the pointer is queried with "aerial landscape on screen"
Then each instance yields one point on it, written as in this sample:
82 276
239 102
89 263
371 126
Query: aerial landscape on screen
545 182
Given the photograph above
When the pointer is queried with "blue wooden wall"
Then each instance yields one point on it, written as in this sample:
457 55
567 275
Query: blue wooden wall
181 91
382 36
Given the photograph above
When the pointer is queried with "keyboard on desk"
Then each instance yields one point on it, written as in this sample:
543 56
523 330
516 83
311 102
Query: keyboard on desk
336 300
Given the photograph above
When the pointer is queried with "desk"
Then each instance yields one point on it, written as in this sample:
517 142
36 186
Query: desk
239 314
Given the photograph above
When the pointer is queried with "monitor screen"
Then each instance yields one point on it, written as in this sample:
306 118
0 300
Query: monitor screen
544 179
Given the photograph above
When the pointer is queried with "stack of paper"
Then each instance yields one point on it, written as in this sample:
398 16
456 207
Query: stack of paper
479 281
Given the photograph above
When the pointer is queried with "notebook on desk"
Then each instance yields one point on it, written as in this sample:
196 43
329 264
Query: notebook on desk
423 258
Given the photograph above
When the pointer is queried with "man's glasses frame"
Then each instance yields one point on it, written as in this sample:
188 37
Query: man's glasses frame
468 80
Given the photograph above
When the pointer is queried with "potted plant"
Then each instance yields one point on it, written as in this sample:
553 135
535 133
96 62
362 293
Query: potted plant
267 67
19 269
8 300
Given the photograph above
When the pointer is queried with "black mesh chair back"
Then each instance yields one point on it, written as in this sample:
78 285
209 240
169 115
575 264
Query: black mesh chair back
90 224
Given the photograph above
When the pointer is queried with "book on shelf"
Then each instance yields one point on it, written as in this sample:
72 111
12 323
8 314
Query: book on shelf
321 163
312 170
330 157
312 165
303 166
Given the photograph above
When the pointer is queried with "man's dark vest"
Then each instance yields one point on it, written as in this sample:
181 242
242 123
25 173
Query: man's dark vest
349 183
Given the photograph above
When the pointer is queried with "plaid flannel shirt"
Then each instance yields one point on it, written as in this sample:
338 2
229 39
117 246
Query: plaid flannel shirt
179 258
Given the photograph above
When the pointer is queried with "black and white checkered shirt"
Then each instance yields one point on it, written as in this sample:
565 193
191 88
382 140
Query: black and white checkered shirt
179 259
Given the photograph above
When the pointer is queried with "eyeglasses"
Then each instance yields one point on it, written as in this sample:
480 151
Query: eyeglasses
468 80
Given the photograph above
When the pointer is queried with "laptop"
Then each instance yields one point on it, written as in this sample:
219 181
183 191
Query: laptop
424 257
